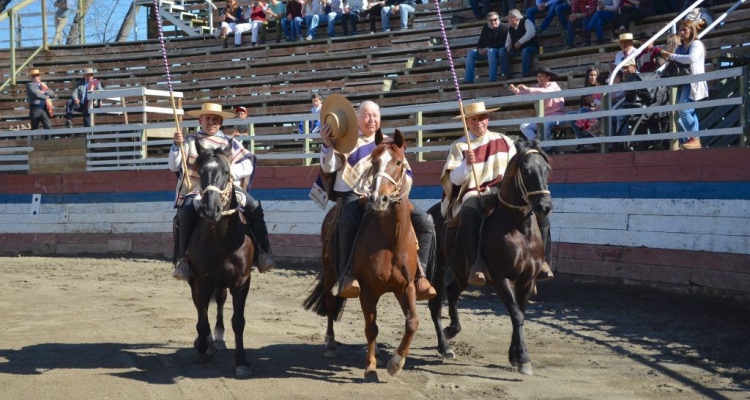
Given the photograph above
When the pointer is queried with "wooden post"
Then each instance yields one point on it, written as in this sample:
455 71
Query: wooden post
307 142
44 25
745 112
251 133
606 125
539 114
674 144
420 139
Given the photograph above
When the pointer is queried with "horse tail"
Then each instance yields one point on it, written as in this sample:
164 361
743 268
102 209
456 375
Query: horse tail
316 302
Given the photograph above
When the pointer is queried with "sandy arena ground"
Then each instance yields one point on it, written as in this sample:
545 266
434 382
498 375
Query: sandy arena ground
87 328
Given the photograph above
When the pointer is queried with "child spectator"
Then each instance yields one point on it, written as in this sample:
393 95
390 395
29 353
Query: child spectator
317 101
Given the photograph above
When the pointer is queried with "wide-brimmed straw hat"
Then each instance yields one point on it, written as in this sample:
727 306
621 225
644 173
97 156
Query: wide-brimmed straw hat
626 36
546 71
338 112
88 71
212 109
473 109
34 72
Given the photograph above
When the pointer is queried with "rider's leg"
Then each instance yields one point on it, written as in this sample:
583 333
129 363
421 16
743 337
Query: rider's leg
546 272
346 231
186 216
254 215
471 228
424 228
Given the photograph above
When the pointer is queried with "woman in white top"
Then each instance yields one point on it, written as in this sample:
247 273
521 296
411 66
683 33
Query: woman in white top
690 53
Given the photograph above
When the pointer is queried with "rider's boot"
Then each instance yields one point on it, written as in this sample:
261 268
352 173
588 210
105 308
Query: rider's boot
254 214
348 286
426 241
546 271
425 291
471 228
186 221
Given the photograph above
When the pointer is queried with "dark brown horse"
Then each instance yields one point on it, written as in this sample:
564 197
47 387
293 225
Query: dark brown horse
512 249
220 255
384 257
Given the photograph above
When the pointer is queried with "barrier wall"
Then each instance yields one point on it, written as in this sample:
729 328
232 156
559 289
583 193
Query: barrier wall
673 217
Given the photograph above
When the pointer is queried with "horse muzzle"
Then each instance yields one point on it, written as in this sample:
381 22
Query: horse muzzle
379 202
542 204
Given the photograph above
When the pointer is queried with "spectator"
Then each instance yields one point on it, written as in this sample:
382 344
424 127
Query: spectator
650 59
257 22
554 106
591 102
606 11
374 8
79 99
628 69
403 7
351 15
580 10
691 55
335 14
630 10
238 130
40 101
61 20
230 17
521 40
626 48
313 126
314 14
291 24
491 40
551 7
276 13
673 41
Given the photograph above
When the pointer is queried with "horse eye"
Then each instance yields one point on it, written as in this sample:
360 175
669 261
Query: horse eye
398 163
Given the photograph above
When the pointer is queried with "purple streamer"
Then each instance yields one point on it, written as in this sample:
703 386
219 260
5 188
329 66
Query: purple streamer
447 50
164 49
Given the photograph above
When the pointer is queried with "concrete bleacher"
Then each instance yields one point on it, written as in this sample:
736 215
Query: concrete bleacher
397 68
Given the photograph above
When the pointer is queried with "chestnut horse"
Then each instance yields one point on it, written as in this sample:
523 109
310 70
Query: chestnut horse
220 255
384 256
511 246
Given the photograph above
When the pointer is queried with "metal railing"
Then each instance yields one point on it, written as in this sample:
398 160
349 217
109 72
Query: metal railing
10 14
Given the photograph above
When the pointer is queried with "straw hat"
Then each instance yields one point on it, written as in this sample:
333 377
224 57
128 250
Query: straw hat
212 109
88 71
626 36
34 72
338 112
473 109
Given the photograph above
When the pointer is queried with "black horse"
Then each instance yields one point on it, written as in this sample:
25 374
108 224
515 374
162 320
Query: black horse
220 254
511 246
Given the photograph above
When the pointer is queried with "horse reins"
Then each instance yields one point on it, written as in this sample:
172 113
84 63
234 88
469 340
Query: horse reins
522 187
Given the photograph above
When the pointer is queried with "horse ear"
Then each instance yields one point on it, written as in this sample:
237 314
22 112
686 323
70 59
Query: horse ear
398 139
198 148
228 148
378 137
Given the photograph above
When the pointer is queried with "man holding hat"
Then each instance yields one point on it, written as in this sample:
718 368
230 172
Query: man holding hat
554 106
79 100
487 153
348 142
238 130
40 104
210 117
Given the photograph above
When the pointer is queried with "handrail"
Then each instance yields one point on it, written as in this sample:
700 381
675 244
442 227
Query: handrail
10 14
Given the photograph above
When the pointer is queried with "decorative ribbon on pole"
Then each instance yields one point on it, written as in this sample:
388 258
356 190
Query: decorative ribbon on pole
185 175
458 90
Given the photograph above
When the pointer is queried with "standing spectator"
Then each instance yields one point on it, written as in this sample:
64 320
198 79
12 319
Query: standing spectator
335 14
313 126
276 14
352 11
626 48
79 101
580 11
230 17
374 8
691 54
551 7
291 24
40 101
491 40
315 13
521 40
61 20
554 106
239 130
402 7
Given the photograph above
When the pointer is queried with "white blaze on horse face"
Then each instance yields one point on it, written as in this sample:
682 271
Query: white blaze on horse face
385 158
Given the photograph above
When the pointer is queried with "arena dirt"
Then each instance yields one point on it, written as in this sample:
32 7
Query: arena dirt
87 328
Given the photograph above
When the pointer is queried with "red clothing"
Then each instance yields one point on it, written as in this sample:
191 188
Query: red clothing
646 61
585 7
257 13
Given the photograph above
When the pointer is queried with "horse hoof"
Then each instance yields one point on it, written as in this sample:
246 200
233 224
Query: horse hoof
329 353
371 376
220 345
395 365
451 332
448 354
243 371
526 369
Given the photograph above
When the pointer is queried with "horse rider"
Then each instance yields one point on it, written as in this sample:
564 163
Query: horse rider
349 167
210 117
487 154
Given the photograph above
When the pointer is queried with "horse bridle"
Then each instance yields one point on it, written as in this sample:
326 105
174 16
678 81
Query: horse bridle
396 196
226 193
522 187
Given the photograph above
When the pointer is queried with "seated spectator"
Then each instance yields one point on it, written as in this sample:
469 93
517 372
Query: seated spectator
580 14
230 17
521 40
628 69
352 11
592 102
491 40
551 7
315 13
402 7
291 24
240 130
336 14
276 13
373 10
626 48
256 17
313 126
79 99
553 106
606 10
630 10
